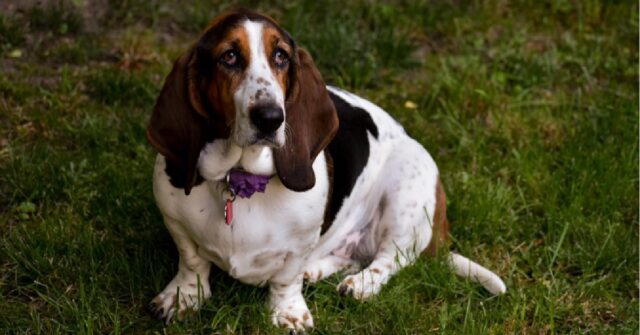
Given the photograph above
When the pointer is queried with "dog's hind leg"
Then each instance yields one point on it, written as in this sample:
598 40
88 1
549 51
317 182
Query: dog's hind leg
404 228
399 244
368 282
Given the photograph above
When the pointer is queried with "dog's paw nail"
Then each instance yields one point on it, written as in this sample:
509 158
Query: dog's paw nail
344 290
182 314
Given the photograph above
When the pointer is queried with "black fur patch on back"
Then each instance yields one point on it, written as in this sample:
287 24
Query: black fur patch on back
349 151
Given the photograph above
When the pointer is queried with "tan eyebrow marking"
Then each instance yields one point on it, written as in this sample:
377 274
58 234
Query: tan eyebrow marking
272 40
220 90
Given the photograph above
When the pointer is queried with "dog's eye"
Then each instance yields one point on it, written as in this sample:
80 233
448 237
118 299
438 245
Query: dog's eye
280 58
229 58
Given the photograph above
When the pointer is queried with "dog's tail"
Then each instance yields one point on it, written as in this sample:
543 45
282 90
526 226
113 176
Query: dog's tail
469 269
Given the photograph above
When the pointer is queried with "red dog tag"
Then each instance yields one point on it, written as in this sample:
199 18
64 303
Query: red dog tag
228 212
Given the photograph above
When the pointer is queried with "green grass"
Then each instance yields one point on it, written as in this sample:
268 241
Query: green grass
530 109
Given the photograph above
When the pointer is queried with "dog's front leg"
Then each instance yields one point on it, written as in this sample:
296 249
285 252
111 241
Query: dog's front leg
289 310
190 287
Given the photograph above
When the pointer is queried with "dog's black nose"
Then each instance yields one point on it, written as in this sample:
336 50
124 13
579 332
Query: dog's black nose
266 118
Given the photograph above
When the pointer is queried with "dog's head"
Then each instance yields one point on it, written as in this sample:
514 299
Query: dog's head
245 80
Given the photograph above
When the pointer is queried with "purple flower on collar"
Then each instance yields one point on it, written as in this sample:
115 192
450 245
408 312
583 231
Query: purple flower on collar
245 184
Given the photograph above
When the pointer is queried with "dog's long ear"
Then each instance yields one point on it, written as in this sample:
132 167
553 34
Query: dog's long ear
179 125
311 121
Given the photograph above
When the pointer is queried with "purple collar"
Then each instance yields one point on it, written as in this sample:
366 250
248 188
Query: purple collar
245 184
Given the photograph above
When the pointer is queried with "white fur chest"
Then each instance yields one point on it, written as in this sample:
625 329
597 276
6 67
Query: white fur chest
272 233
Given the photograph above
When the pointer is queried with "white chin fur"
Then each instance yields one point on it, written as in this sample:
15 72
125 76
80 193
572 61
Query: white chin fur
217 158
220 156
258 159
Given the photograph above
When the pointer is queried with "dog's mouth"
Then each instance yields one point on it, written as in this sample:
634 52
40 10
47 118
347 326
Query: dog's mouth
268 140
265 140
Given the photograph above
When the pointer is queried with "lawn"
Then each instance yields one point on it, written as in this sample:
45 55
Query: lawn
530 109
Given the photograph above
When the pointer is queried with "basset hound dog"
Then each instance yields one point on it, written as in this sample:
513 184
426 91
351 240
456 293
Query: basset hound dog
276 178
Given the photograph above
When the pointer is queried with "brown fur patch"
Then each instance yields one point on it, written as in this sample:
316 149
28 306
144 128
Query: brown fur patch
272 40
440 229
291 319
157 301
182 314
226 81
174 298
376 270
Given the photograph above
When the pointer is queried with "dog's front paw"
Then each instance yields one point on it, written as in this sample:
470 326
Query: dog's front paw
295 317
289 310
166 305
